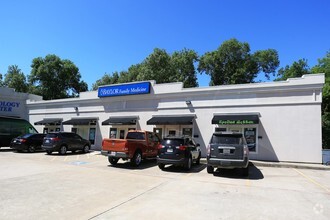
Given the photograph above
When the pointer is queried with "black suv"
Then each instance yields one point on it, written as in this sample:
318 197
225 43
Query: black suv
29 142
64 141
178 151
228 150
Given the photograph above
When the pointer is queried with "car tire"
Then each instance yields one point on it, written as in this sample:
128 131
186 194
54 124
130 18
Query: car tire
112 160
49 152
198 161
32 148
86 149
161 166
188 163
210 169
245 171
63 150
137 158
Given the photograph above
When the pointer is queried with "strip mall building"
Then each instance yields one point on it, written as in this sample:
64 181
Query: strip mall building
281 120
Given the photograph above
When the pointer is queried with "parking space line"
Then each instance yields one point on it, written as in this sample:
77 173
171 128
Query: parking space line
66 157
77 157
248 182
54 158
312 181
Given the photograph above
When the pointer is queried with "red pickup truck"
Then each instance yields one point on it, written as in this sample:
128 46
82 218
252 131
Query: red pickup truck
136 146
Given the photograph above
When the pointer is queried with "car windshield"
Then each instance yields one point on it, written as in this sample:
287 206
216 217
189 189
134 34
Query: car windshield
219 139
174 142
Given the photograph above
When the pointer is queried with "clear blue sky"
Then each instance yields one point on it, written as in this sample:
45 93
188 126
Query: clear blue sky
103 36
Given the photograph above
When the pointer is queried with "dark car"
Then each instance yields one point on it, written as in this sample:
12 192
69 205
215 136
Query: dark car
65 141
28 142
178 151
228 150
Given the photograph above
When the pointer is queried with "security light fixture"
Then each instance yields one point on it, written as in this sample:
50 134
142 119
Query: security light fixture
188 102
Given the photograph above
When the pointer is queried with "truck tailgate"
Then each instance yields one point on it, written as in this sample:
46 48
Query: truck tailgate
114 144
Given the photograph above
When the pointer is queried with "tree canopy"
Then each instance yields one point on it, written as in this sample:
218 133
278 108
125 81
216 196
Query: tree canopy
16 79
54 78
233 63
159 66
297 69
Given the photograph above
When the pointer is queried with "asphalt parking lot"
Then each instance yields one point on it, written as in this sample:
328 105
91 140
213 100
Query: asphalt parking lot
85 186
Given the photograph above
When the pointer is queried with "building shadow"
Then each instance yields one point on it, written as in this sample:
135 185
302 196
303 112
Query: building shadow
254 173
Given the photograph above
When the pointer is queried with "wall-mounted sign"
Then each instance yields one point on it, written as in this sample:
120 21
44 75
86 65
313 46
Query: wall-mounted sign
125 89
6 106
236 122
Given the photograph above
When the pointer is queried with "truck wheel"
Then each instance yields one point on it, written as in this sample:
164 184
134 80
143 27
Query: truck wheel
161 166
112 160
188 163
137 158
198 161
245 171
210 169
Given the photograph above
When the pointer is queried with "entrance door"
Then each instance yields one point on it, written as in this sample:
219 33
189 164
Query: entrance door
92 135
159 132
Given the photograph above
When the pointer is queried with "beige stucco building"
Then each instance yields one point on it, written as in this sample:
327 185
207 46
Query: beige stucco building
281 120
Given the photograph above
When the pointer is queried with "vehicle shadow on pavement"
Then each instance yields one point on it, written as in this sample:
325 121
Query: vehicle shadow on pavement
179 169
145 164
254 173
6 149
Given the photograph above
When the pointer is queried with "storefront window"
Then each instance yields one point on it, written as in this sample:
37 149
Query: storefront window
171 133
122 134
187 131
250 136
113 133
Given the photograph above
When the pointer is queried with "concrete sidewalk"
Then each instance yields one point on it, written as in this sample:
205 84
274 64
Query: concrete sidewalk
259 163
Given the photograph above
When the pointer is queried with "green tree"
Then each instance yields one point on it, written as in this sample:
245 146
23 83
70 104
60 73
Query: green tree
297 69
233 63
157 66
54 78
183 65
16 79
1 82
107 79
323 66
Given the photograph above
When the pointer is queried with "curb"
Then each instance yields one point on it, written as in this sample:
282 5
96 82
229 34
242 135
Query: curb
285 165
290 165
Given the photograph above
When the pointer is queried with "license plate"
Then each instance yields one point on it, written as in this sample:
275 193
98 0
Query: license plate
226 151
170 150
113 153
47 141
